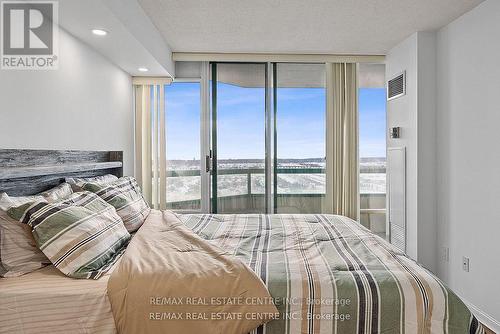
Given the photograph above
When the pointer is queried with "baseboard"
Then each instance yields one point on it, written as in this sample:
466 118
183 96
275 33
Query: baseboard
483 317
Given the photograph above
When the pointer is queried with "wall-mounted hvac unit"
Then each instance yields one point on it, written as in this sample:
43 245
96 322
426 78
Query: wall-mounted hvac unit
396 87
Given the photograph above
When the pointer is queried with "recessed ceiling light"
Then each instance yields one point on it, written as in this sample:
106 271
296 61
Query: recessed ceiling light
99 32
142 69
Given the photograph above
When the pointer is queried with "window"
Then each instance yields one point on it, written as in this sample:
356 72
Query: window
239 118
296 143
372 147
182 100
238 124
300 138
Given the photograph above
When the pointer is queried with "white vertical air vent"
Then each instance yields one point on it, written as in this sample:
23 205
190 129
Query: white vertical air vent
396 196
396 87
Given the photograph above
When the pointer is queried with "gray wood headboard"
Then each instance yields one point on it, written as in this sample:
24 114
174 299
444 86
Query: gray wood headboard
28 172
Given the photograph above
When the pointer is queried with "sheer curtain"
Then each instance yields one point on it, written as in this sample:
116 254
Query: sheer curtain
342 171
150 139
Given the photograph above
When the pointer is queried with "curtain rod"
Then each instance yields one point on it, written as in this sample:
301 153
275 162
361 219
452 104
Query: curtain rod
151 80
283 57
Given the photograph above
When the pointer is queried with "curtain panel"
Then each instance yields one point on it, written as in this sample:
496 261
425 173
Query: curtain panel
342 167
150 142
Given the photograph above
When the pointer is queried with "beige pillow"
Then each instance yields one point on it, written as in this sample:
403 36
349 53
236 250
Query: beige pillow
58 193
7 201
76 183
19 254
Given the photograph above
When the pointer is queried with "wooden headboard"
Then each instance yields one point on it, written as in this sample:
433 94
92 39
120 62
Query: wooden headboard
28 172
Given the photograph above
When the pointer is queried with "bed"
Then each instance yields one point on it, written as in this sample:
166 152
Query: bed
46 301
325 273
329 274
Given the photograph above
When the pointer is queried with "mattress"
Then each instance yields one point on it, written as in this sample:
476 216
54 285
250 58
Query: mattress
46 301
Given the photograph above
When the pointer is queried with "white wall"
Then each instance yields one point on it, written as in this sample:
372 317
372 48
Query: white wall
468 163
426 150
402 112
450 119
85 105
415 114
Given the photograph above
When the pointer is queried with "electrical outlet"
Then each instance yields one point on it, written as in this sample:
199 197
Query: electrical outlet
465 264
446 254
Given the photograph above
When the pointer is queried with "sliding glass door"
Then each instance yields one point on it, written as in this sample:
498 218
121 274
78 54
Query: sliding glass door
251 138
238 138
182 100
268 137
372 147
300 116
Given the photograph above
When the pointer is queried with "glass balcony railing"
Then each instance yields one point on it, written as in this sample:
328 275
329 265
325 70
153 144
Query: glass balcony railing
299 190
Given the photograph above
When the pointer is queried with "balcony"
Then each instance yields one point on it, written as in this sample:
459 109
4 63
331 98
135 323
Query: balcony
244 188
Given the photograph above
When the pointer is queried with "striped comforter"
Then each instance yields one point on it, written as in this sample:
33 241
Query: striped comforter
328 274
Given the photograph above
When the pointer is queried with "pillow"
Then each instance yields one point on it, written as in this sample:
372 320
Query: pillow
18 252
126 197
7 201
82 236
76 183
58 193
55 194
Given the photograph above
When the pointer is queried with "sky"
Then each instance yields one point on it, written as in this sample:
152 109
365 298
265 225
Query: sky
240 112
372 122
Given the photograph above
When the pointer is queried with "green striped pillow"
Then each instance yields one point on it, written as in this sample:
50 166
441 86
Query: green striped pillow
126 197
82 236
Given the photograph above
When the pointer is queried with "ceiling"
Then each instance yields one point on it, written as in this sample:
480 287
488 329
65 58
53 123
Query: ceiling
132 40
297 26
